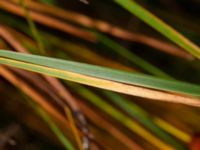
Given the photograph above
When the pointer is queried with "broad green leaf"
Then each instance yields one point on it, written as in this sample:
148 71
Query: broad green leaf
104 73
105 78
160 26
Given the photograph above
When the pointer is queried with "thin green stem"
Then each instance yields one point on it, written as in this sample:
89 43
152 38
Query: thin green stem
160 26
33 28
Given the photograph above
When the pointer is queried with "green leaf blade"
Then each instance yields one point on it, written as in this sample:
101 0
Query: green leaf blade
160 26
104 73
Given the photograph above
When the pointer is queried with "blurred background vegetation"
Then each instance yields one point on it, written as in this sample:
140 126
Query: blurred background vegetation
31 111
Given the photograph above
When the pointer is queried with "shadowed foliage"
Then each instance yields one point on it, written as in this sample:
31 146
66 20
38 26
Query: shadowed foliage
92 74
